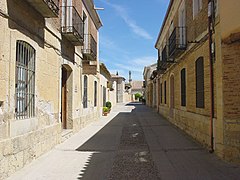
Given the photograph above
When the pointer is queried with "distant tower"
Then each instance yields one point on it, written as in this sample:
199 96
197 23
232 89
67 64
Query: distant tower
130 77
117 73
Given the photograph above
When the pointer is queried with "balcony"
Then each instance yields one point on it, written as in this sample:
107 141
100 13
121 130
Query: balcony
90 48
164 61
87 68
161 66
47 8
177 42
72 25
164 54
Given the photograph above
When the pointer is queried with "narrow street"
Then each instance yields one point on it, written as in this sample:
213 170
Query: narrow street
132 142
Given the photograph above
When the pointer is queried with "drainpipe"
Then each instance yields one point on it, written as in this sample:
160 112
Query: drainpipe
210 33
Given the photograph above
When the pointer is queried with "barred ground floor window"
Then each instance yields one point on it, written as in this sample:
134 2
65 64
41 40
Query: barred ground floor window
25 80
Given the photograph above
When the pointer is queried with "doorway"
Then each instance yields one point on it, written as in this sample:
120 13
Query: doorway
64 98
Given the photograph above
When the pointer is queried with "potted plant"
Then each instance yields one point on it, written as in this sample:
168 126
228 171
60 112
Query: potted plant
109 105
105 111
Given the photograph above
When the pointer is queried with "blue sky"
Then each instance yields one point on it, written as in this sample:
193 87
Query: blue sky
129 32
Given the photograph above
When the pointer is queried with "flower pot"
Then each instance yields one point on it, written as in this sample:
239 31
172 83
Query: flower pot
105 113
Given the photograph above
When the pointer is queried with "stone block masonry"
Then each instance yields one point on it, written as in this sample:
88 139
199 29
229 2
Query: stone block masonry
21 150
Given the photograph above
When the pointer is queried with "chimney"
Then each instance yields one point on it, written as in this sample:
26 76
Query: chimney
130 77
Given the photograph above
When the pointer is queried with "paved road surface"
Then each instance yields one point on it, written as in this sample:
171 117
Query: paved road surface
133 142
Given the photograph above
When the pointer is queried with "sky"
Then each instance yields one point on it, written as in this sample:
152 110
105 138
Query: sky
129 33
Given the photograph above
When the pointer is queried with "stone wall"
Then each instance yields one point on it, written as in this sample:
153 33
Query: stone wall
231 100
194 121
19 151
23 140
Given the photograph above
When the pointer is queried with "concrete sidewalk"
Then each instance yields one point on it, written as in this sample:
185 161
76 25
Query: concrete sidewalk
64 162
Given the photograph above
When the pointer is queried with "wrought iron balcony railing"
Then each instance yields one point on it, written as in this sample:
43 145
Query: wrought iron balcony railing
164 61
177 41
164 54
161 66
47 8
72 25
89 48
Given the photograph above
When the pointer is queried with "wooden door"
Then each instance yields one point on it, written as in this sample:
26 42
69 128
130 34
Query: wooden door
64 99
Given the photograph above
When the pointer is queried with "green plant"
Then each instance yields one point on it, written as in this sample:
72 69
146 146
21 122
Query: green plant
138 96
108 104
105 109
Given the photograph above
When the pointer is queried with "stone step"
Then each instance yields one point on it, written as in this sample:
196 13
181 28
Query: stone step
66 134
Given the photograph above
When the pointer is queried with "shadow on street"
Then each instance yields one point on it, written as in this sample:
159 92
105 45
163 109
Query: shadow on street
143 145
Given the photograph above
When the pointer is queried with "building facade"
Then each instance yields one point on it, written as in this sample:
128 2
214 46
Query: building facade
120 87
198 72
105 89
46 52
150 92
136 87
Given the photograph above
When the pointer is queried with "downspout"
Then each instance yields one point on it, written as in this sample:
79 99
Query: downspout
210 33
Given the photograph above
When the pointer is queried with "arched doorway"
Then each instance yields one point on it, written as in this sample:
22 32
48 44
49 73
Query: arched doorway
66 96
171 96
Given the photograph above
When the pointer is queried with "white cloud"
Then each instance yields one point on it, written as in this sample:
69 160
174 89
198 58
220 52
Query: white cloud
107 43
138 64
121 11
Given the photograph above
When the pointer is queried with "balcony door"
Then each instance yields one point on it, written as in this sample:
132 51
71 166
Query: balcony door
67 15
182 24
85 30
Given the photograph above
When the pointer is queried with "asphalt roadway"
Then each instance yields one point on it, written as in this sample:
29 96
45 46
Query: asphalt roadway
132 143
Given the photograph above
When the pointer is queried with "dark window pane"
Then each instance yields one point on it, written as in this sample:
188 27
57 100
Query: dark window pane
161 94
199 68
95 93
165 92
183 87
85 92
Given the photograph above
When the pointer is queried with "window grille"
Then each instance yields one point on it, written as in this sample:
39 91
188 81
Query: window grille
85 92
199 69
183 87
25 81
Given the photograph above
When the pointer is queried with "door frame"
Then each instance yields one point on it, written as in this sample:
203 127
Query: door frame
66 96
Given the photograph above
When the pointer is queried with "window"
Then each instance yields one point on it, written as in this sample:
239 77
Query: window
216 8
197 6
25 81
165 92
171 28
95 93
183 87
161 93
199 69
104 96
85 92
